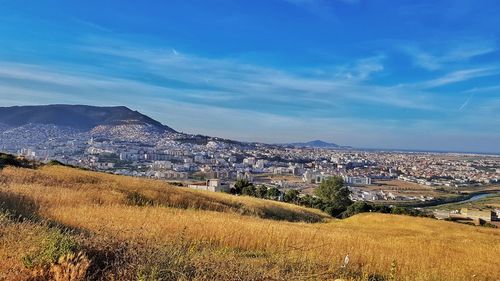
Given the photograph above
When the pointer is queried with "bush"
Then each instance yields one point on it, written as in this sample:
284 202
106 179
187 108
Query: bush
356 208
239 185
11 160
55 163
273 193
292 196
71 267
487 224
261 191
249 190
54 246
137 199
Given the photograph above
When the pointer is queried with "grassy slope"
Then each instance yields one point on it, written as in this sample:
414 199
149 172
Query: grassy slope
210 236
77 187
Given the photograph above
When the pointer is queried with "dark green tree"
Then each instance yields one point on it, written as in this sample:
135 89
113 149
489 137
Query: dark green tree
334 193
273 193
261 191
291 196
356 208
239 185
249 190
306 200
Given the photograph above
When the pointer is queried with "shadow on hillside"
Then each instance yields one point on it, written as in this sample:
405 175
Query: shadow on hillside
281 214
19 207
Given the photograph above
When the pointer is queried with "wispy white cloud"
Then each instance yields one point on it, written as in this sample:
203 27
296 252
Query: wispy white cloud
489 89
335 84
461 76
361 69
459 52
197 93
226 82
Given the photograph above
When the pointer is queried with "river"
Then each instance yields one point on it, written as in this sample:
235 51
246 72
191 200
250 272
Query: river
476 197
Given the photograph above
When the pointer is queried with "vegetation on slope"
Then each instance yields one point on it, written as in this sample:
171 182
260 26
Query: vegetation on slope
332 197
10 160
136 229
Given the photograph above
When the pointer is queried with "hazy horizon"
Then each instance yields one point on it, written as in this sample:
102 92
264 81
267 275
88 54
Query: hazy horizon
368 74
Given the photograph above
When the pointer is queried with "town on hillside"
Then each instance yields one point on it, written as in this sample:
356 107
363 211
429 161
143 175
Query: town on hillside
214 164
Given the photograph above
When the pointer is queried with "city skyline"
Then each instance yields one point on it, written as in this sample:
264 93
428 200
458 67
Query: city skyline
271 71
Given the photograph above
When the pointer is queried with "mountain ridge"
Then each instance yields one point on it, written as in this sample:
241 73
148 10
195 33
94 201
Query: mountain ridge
84 117
317 144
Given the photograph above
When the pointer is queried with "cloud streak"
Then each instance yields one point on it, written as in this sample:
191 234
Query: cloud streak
226 83
466 102
461 76
197 93
246 81
464 52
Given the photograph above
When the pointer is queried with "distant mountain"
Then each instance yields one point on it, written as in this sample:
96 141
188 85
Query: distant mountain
80 117
316 144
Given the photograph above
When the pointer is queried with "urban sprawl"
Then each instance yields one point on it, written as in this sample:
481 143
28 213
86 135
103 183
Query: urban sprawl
214 164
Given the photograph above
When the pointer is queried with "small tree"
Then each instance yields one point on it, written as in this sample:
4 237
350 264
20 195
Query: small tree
292 196
273 193
334 196
306 200
249 190
239 185
261 191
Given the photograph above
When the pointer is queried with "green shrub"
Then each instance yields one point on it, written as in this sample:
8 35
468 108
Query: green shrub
53 246
356 208
487 224
55 163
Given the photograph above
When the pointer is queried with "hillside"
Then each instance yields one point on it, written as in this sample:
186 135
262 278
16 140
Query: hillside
315 144
137 229
319 144
81 117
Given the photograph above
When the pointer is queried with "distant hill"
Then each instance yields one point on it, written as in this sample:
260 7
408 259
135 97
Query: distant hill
316 144
76 116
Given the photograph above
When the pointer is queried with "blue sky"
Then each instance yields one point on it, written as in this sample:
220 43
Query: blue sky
385 74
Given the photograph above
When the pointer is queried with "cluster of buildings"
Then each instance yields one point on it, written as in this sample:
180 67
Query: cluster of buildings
470 215
212 163
360 194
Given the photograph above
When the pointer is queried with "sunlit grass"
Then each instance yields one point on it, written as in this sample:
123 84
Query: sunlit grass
228 235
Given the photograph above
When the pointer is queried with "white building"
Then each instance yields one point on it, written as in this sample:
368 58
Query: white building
214 185
249 161
357 180
162 165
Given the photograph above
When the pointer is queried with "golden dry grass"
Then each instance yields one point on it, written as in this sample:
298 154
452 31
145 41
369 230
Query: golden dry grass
71 186
232 241
17 240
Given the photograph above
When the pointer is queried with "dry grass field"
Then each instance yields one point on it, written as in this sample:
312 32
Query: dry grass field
137 229
400 187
